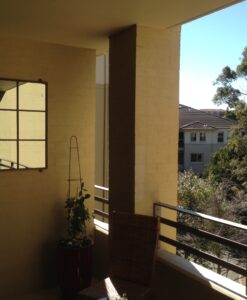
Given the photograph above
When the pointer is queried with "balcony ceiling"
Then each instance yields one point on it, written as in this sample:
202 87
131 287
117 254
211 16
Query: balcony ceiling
88 23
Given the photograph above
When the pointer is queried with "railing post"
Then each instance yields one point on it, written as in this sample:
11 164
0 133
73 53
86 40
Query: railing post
156 210
187 228
103 199
103 204
157 213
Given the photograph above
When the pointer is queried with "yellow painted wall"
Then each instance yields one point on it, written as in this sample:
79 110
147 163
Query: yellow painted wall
143 101
102 120
122 58
32 202
156 123
144 76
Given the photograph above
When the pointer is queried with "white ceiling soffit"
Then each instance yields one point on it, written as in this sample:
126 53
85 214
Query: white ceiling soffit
88 23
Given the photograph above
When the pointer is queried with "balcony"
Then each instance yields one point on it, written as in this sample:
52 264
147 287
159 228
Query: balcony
174 268
175 277
143 126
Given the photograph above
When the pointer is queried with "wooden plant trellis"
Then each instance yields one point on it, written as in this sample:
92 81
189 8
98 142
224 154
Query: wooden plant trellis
73 146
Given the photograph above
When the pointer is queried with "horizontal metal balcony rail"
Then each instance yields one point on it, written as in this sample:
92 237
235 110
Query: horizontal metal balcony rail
204 234
103 200
189 229
102 188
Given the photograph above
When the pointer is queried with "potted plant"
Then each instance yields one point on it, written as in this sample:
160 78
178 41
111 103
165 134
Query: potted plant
75 251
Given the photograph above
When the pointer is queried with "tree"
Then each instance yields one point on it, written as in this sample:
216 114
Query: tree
223 190
230 163
227 91
193 191
209 197
193 194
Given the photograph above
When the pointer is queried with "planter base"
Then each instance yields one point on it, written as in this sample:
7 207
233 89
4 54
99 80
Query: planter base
74 270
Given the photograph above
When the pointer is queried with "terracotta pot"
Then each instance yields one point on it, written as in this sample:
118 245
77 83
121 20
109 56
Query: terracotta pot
74 269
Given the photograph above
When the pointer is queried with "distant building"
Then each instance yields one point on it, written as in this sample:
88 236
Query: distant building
214 111
201 133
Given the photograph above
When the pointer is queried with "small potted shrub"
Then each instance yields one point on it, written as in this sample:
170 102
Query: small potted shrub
75 251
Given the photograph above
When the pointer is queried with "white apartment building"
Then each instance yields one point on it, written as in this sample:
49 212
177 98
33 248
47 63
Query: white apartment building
200 135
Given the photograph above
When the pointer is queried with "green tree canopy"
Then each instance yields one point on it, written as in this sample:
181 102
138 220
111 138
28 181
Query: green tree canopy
227 91
230 162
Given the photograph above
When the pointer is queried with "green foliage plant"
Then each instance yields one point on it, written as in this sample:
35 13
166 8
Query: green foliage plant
77 217
229 164
204 194
228 91
193 191
193 194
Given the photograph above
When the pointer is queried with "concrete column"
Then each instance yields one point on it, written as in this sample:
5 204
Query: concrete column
122 69
143 115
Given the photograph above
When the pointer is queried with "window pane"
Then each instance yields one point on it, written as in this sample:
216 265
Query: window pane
193 157
202 136
8 125
221 137
196 157
32 95
7 94
32 125
8 155
193 136
32 154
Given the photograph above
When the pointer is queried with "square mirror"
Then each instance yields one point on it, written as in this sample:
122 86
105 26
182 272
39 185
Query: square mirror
23 124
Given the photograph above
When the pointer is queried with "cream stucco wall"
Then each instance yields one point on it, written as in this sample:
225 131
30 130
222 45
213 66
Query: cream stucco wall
32 202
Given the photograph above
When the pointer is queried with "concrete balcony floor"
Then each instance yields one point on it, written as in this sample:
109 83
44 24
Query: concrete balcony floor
50 294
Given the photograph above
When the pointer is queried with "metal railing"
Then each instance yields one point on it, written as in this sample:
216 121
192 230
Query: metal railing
101 198
10 165
210 237
103 213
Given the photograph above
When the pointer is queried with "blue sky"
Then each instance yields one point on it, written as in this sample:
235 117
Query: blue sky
207 45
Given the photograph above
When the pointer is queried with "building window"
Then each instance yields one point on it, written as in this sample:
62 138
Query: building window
202 136
220 137
193 136
196 157
23 125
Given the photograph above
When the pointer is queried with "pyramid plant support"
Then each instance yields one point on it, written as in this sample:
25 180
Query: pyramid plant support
75 251
76 147
77 212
